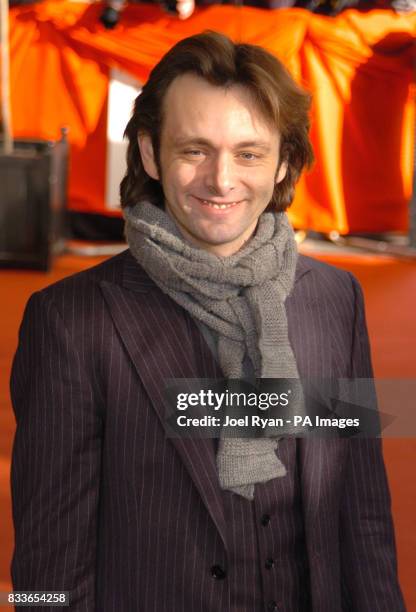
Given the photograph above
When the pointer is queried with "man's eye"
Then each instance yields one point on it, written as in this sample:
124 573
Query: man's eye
248 156
193 152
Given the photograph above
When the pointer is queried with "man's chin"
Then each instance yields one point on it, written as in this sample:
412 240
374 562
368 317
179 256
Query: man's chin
216 239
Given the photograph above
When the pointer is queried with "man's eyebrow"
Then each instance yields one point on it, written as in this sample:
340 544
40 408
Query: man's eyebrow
256 144
245 144
179 142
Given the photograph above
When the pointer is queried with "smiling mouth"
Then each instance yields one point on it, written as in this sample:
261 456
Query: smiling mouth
218 205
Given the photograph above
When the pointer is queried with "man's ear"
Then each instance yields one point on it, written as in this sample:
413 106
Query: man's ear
148 156
281 173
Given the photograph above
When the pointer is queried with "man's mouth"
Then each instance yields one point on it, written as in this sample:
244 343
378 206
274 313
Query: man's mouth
218 205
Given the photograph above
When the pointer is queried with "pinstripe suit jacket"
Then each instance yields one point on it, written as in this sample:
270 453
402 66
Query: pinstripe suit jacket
107 507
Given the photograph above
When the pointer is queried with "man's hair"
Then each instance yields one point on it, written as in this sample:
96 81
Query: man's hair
221 62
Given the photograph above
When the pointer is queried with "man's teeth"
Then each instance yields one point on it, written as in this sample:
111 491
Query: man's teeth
218 206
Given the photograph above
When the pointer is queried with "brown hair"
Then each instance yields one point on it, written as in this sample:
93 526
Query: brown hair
221 62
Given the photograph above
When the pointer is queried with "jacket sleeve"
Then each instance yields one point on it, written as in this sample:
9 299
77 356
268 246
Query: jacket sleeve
55 462
368 553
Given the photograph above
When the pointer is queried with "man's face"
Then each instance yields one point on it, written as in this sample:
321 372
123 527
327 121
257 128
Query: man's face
219 163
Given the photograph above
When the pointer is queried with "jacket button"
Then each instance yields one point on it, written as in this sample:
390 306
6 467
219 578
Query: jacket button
218 572
269 563
272 606
265 520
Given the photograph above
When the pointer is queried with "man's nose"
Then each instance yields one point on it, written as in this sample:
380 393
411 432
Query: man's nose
221 176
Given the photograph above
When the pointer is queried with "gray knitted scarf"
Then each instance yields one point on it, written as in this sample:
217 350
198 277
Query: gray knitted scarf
242 299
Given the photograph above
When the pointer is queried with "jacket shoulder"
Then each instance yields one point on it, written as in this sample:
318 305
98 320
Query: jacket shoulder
325 280
322 270
327 288
110 270
78 297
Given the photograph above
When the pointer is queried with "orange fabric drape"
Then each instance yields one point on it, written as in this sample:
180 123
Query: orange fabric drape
359 67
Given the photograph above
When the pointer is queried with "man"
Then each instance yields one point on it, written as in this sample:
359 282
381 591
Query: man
106 505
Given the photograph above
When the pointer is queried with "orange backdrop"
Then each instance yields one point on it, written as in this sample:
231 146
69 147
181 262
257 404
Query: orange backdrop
359 67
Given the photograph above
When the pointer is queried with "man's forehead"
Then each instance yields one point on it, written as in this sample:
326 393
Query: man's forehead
190 98
182 83
187 89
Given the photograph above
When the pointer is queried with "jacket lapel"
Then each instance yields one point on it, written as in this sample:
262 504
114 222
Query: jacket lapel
160 340
320 460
